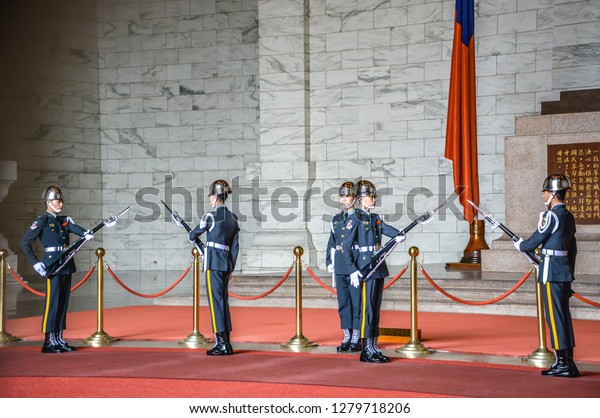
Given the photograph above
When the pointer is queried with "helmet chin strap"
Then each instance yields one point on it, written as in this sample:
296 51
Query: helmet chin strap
56 210
550 199
366 205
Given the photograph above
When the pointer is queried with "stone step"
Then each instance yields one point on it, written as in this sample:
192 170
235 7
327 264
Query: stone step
476 287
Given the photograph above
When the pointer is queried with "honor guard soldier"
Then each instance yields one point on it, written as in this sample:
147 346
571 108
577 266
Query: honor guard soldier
53 231
222 248
371 229
341 263
556 235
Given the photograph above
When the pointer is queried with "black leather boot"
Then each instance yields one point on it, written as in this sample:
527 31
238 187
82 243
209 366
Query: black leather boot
564 366
228 342
64 346
345 345
50 344
574 369
220 347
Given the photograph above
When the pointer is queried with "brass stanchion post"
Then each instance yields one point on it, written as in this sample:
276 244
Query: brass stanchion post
298 342
100 338
413 348
196 339
5 337
541 356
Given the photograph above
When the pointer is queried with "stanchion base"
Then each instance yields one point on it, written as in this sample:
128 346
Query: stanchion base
542 357
6 338
414 349
100 339
299 343
196 340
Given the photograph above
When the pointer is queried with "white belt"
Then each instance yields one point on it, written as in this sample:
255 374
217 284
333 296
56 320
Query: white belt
560 253
53 249
367 249
217 245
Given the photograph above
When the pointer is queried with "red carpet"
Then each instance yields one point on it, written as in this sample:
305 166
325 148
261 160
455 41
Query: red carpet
179 372
333 373
463 333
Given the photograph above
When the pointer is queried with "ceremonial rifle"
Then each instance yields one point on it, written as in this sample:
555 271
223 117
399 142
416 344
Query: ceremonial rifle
70 252
531 255
380 256
199 244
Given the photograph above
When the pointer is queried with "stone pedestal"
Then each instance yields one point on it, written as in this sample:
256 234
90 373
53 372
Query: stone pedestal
526 162
8 175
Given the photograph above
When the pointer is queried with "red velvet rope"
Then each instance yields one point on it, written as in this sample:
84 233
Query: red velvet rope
268 292
332 290
584 300
466 302
142 295
35 292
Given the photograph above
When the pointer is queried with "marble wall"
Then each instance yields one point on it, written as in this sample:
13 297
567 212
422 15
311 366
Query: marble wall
49 123
285 99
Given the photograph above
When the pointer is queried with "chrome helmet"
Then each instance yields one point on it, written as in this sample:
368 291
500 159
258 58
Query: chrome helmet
366 188
52 193
556 182
347 189
220 188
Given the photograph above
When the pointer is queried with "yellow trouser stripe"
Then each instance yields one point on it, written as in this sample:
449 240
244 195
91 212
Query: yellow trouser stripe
210 301
363 321
551 314
45 323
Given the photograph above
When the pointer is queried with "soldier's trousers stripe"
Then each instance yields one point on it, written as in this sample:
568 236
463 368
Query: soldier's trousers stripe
363 320
210 301
48 295
551 315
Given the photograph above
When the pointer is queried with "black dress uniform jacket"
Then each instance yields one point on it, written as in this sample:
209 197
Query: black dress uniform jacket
556 232
556 235
371 230
222 249
53 232
344 226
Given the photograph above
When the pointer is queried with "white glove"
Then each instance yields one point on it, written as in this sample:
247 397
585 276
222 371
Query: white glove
400 238
110 224
40 268
518 244
88 235
355 278
330 268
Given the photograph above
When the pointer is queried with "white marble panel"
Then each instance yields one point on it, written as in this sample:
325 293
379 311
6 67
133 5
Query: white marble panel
325 24
357 58
502 84
343 115
517 22
278 117
276 170
282 81
390 17
291 25
496 125
576 78
583 33
408 73
291 44
430 90
390 131
342 78
496 45
374 76
357 95
357 133
326 134
406 35
515 63
407 111
389 55
374 113
535 41
423 52
341 41
390 93
291 100
497 7
282 135
573 12
534 82
516 104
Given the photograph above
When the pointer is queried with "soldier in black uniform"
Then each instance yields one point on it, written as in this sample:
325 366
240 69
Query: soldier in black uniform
556 235
341 262
222 248
53 231
368 240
